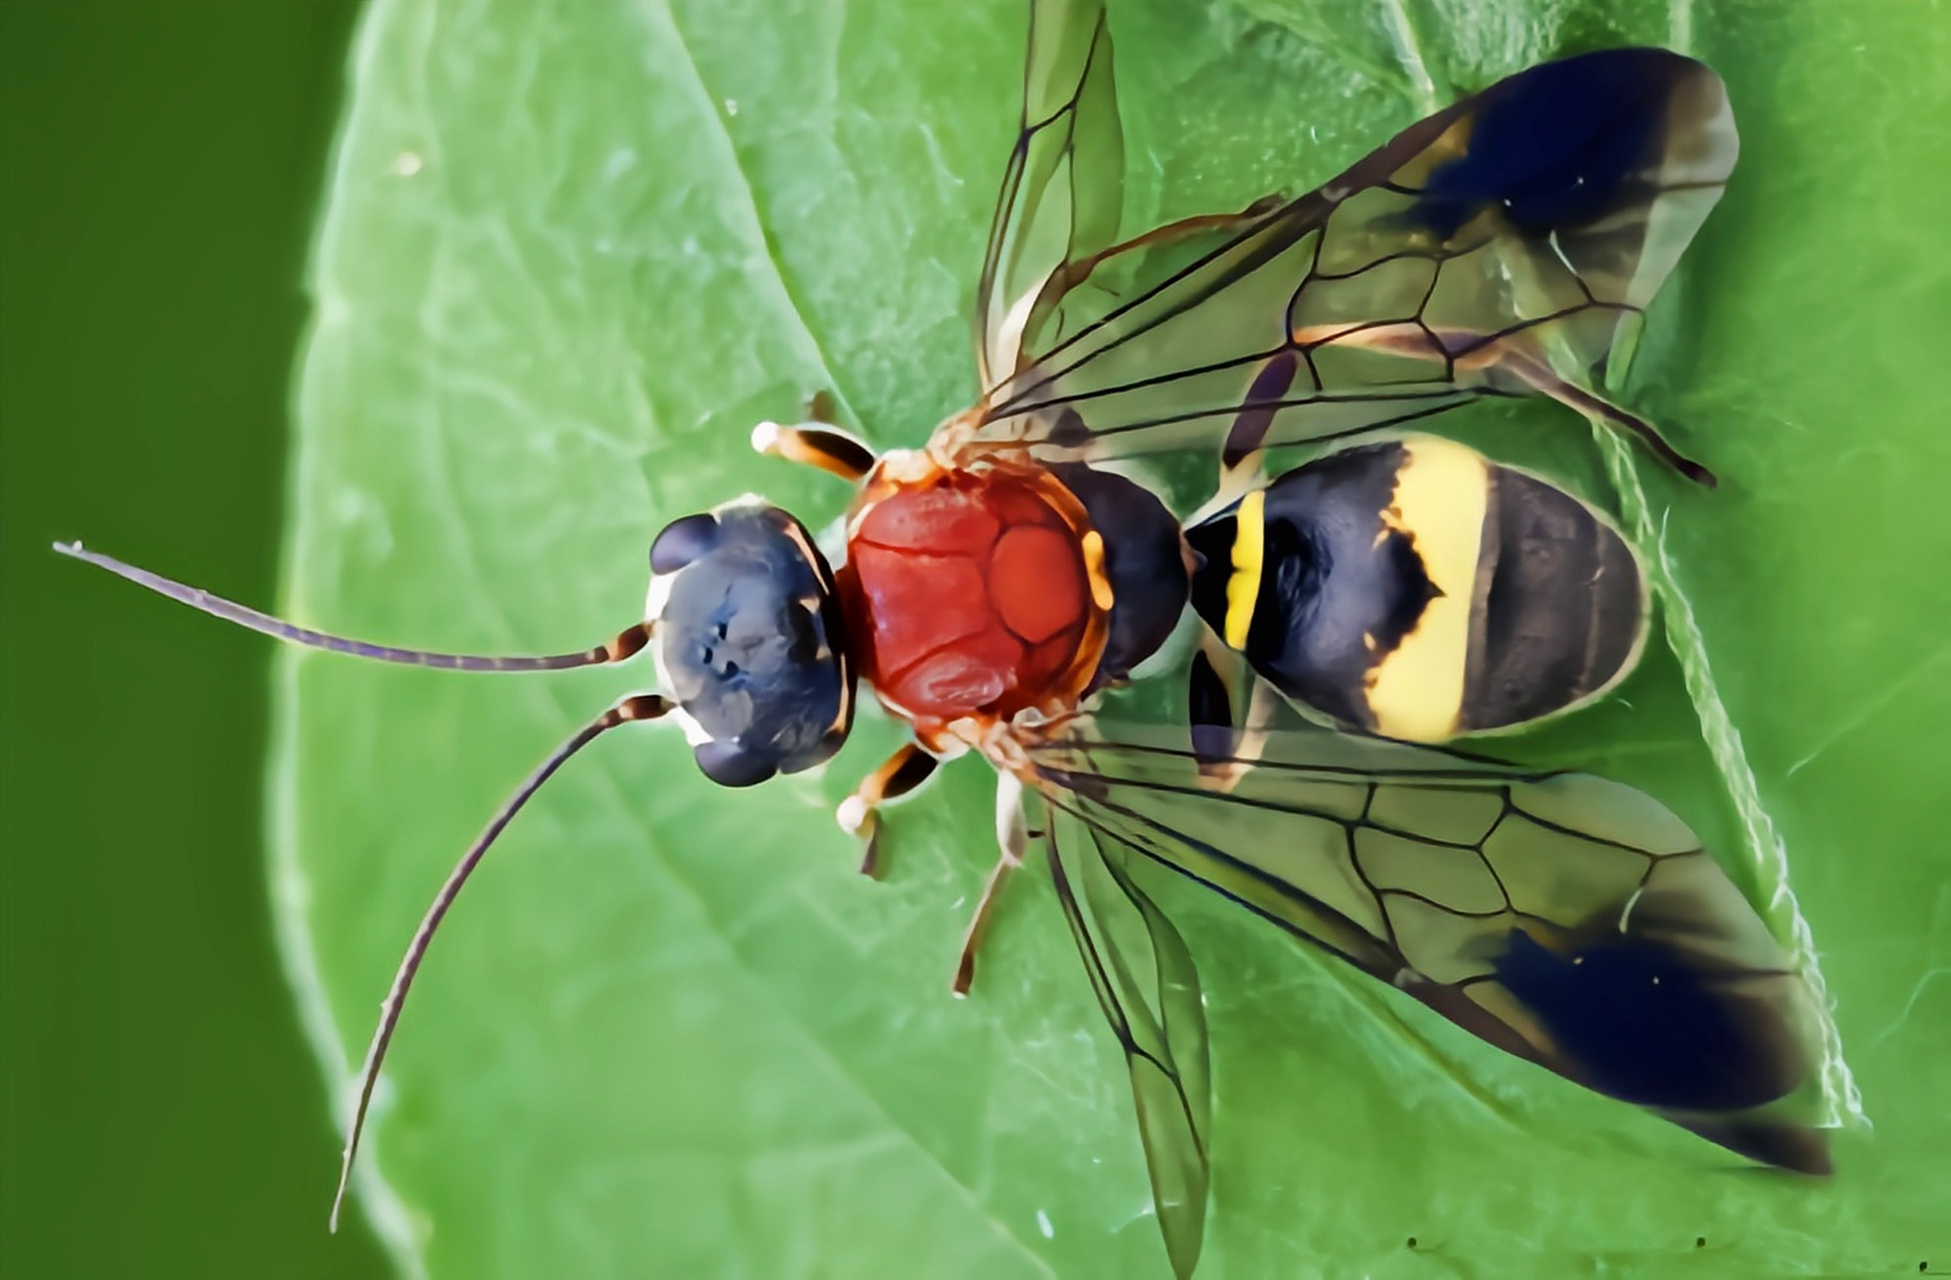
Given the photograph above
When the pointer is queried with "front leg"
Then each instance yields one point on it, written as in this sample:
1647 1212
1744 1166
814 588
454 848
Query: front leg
1012 838
859 814
816 442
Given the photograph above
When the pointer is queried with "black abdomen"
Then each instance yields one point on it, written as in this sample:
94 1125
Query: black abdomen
1565 612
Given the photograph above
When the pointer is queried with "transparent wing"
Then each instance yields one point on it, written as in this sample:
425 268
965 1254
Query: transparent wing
1507 245
1568 920
1145 979
1063 189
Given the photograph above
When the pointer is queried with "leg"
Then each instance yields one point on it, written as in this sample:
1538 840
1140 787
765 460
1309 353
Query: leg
1236 481
858 814
1226 746
1536 375
1506 360
1210 685
1243 456
1013 837
816 446
816 442
1263 704
820 408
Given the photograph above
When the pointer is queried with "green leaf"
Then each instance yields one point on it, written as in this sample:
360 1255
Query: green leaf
575 249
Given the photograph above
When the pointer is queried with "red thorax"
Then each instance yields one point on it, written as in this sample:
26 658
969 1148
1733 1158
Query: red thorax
972 593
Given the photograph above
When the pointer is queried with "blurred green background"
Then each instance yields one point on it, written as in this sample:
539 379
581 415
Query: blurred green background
162 165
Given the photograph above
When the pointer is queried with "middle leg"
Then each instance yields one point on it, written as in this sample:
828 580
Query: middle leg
1012 838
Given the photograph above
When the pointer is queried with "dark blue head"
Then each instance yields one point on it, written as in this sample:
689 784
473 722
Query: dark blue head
748 641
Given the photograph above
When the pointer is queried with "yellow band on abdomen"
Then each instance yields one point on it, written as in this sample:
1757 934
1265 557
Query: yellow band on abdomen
1249 551
1441 494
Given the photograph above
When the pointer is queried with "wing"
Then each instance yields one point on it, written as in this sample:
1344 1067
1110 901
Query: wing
1504 246
1063 189
1568 920
1146 981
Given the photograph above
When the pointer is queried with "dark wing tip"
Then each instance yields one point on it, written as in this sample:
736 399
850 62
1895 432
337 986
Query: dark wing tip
1793 1147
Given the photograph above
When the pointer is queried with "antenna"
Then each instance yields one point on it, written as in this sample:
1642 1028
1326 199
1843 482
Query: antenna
627 643
637 707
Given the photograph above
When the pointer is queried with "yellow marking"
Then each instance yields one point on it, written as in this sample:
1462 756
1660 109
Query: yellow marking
1094 571
1441 492
1249 546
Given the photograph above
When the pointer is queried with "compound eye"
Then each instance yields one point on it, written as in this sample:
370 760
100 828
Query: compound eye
682 541
729 765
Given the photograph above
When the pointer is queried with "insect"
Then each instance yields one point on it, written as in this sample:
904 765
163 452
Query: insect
1001 586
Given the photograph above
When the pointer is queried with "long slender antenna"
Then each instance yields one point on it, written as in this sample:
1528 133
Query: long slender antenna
636 707
627 643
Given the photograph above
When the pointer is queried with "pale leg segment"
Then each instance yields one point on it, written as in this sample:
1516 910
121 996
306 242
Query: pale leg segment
1263 704
859 814
1236 481
1242 458
817 442
1013 838
1226 745
832 451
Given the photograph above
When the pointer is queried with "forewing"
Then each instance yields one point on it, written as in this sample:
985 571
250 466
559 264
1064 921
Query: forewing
1145 979
1512 238
1063 189
1566 919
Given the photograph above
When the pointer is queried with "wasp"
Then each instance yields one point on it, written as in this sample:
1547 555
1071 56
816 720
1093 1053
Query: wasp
999 588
